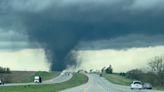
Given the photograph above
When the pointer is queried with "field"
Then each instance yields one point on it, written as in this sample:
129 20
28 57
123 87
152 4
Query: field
27 76
76 80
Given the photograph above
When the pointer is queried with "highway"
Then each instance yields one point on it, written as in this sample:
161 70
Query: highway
59 79
99 84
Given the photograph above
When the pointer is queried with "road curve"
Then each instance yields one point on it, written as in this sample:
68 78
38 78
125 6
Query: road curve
99 84
59 79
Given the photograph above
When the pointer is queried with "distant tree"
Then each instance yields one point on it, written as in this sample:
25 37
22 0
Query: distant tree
123 74
135 74
109 69
4 70
103 69
157 64
91 70
1 70
8 70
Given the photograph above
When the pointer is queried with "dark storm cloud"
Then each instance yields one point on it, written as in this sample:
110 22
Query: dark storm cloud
14 40
61 24
123 42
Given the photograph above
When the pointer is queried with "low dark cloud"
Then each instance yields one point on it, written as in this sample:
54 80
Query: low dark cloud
123 42
58 26
15 40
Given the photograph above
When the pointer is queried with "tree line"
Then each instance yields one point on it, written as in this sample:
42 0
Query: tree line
154 74
4 74
4 70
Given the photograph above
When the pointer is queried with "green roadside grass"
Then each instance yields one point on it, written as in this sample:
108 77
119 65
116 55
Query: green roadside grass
44 75
117 79
161 88
76 80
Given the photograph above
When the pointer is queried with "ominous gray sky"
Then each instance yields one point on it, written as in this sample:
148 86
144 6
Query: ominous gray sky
59 26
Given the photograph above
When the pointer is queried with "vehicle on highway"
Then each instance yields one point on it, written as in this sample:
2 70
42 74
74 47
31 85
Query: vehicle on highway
37 79
101 75
67 73
136 85
147 86
1 82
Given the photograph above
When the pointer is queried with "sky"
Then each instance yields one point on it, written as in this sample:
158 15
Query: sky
121 60
114 30
24 60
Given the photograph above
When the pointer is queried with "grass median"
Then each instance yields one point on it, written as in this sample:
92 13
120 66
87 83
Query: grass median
117 79
76 80
161 88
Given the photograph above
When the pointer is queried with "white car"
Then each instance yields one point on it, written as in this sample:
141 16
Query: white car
1 82
37 79
136 85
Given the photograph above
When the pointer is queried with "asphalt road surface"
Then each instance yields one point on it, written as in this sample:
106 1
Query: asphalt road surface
99 84
59 79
